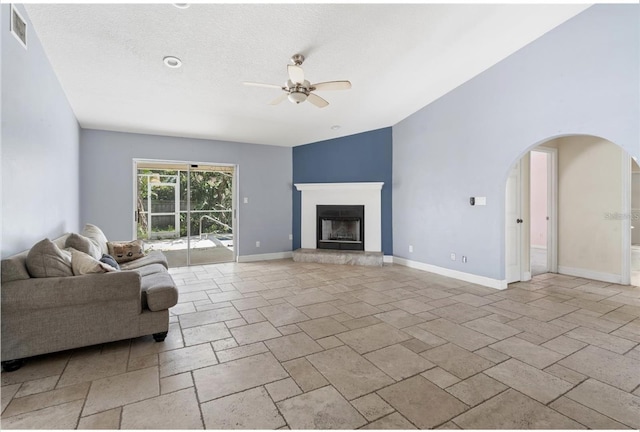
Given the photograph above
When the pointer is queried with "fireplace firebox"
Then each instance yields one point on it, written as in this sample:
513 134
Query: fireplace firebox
340 227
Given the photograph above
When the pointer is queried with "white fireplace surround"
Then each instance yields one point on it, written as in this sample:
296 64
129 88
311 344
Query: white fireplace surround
367 194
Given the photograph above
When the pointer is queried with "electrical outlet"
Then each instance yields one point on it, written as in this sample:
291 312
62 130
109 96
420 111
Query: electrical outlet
464 259
257 244
453 257
410 248
290 236
246 200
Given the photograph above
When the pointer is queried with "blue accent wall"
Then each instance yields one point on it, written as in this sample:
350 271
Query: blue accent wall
364 157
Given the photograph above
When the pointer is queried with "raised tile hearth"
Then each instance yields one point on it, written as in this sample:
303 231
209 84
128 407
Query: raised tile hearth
328 256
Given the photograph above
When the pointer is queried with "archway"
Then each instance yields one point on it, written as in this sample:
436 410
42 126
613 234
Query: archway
589 216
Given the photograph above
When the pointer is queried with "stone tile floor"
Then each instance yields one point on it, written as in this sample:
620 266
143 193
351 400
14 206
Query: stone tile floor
294 345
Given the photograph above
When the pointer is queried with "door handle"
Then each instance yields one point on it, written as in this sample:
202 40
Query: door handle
519 221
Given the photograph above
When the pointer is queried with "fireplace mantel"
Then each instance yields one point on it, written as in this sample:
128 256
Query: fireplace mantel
367 194
339 186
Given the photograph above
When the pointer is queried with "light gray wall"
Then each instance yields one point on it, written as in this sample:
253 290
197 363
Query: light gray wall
106 183
40 138
580 78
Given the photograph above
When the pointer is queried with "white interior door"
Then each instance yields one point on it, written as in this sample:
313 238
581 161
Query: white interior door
513 223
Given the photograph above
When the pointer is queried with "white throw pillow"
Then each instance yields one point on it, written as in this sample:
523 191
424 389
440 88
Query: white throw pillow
81 264
96 235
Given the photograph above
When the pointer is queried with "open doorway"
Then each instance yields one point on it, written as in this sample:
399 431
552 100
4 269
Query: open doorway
186 211
542 210
591 226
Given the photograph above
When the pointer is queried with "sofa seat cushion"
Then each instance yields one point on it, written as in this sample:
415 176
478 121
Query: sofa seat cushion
150 269
153 257
159 292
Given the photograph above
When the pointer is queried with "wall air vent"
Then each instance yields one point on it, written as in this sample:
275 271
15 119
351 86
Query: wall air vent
18 26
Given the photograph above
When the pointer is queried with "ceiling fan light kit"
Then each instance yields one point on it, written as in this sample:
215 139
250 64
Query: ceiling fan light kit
297 89
297 96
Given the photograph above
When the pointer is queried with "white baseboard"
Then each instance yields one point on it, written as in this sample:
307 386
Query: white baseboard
590 274
538 247
387 259
455 274
526 276
265 257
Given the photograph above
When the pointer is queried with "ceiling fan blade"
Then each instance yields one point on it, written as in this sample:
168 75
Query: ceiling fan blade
296 74
332 85
317 100
255 84
279 99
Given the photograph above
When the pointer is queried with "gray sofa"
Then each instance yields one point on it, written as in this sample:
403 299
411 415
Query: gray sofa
47 314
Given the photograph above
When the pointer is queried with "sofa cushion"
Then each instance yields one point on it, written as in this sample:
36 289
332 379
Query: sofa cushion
15 268
83 244
96 235
159 292
153 257
150 269
126 251
108 259
82 263
45 259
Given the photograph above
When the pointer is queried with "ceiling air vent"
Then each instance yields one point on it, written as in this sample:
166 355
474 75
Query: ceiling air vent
18 26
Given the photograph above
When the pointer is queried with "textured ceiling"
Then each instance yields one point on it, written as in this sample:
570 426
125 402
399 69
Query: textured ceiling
399 58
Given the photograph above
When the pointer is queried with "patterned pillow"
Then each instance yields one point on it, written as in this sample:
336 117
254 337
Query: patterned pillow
126 251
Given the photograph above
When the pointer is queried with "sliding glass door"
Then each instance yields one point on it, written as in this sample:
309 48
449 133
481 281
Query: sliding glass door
186 211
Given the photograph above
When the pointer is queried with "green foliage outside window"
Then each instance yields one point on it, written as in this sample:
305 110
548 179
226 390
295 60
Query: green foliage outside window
209 191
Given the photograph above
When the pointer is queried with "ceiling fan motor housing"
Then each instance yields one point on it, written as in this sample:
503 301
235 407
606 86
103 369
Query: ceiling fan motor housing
298 92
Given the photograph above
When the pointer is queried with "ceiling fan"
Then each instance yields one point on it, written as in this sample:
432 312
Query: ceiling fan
298 90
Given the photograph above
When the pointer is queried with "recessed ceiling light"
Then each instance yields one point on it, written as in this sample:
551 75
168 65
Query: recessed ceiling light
172 62
335 127
181 5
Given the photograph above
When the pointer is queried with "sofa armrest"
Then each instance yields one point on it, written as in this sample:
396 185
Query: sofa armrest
43 293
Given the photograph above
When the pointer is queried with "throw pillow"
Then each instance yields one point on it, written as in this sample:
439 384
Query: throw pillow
83 244
126 251
108 259
96 235
82 263
45 259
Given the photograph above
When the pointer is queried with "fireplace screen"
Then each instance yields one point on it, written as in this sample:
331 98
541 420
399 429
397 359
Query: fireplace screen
340 227
343 230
